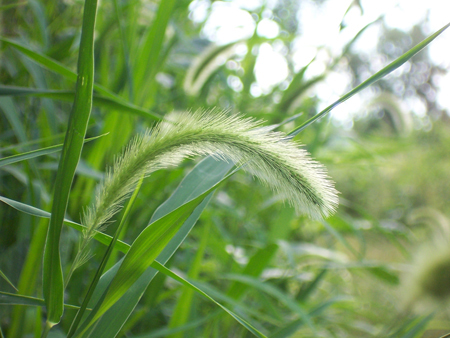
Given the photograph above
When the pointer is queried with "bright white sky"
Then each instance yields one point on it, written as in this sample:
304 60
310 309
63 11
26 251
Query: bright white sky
229 21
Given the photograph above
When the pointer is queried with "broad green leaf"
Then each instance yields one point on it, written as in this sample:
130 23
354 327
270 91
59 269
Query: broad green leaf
2 275
144 250
7 298
380 270
385 273
205 174
37 153
374 78
105 239
104 261
64 95
47 121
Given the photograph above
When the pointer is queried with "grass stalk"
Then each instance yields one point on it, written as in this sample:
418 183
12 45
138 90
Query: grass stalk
371 80
73 144
103 263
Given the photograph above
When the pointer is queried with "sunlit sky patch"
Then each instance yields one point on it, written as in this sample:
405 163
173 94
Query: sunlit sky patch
320 26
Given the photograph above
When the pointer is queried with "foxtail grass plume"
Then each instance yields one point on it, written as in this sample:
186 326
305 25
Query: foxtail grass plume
271 156
427 285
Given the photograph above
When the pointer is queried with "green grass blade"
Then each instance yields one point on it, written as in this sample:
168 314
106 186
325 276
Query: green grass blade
17 146
144 250
204 66
293 326
151 49
374 78
57 67
2 275
255 266
205 175
7 298
73 144
65 95
166 332
306 290
36 153
417 330
13 117
105 239
276 293
125 50
241 321
104 261
156 265
28 209
17 4
182 309
42 59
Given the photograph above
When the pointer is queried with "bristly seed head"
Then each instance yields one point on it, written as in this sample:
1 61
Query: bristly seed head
270 156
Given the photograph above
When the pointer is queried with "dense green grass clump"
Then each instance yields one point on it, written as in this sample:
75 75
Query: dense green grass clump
267 268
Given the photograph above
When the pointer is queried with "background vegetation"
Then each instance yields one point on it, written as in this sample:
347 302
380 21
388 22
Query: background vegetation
287 275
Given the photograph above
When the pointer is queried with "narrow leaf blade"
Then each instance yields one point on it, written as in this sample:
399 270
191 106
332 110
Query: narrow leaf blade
374 78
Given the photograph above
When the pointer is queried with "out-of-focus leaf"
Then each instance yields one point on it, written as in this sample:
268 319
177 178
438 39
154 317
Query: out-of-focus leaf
2 275
64 95
255 283
255 266
374 78
28 209
14 299
205 65
37 153
13 5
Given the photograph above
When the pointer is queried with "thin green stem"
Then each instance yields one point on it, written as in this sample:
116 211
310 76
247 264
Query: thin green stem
47 329
103 263
73 144
374 78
